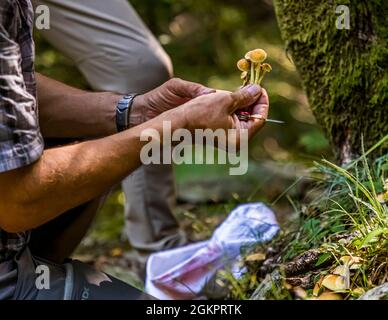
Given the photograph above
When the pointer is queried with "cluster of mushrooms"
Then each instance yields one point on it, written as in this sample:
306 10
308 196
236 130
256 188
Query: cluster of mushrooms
253 71
252 67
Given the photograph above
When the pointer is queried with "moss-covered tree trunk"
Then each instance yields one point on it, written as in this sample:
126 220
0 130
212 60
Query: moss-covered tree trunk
344 71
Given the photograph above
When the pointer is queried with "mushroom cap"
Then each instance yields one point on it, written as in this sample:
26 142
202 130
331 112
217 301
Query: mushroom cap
266 67
341 270
359 291
348 260
300 292
257 55
248 55
317 287
329 296
335 283
244 74
243 65
256 257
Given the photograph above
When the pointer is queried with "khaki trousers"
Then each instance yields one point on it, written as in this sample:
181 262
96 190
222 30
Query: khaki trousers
116 52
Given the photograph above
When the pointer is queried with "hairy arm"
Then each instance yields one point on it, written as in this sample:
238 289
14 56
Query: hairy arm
66 112
69 176
66 177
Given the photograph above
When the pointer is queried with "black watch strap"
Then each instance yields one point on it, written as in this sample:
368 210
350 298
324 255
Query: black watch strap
123 111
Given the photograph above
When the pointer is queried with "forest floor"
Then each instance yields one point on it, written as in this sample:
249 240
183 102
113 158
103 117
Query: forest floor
206 195
333 242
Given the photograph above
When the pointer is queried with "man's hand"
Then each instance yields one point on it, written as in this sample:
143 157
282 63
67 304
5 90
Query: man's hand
170 95
217 110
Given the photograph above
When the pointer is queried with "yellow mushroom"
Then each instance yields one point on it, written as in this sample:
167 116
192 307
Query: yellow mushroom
243 65
257 55
329 296
244 75
266 67
300 293
358 291
257 70
346 259
341 270
351 260
317 287
335 283
256 257
248 55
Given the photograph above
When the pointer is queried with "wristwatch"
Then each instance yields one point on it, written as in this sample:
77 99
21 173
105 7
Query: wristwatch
123 111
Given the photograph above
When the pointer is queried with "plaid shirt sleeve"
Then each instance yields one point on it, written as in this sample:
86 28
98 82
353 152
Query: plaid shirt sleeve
21 142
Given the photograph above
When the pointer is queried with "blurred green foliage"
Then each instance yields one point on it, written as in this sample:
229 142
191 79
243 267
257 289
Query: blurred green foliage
204 40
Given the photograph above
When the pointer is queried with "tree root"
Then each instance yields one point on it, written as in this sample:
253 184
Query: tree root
306 282
303 263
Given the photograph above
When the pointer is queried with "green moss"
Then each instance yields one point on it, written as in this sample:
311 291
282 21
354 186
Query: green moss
344 72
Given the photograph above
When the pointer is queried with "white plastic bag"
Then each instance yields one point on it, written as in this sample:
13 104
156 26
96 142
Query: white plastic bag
182 273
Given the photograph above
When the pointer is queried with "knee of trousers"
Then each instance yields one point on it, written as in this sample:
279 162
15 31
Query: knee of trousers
128 71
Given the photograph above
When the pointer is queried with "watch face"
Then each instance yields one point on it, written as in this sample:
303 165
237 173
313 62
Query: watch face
122 107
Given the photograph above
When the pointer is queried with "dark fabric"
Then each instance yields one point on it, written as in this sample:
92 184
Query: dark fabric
8 278
90 284
72 281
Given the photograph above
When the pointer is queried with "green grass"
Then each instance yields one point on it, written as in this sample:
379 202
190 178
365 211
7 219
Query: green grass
348 216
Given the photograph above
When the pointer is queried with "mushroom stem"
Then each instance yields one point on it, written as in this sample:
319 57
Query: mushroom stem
259 70
261 77
252 77
246 79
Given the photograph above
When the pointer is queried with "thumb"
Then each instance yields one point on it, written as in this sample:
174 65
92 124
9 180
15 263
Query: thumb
245 97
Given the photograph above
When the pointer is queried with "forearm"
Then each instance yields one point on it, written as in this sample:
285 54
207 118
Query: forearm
66 112
68 176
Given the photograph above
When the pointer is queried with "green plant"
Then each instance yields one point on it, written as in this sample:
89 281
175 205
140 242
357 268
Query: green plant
347 222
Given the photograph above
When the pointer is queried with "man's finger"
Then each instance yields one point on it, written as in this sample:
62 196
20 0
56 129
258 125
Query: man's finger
187 89
245 97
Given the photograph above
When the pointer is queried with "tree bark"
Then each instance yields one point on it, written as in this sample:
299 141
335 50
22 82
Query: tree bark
343 71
